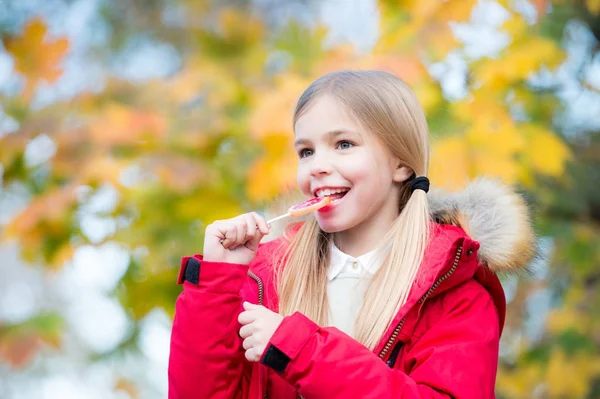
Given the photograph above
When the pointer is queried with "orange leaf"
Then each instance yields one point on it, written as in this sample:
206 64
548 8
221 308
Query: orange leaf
178 173
18 351
275 109
36 56
540 6
120 125
126 386
49 208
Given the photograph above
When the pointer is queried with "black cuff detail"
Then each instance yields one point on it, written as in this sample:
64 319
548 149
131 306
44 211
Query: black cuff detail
275 359
192 271
394 355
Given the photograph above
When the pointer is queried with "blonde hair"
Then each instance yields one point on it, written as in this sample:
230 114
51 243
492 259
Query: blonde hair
386 107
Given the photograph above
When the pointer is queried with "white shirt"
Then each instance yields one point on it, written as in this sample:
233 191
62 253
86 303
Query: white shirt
347 279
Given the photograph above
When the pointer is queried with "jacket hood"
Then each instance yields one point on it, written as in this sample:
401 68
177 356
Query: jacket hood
495 216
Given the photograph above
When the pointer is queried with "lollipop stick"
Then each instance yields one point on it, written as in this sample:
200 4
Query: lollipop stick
285 215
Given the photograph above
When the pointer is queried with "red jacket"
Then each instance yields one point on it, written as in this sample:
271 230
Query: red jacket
443 343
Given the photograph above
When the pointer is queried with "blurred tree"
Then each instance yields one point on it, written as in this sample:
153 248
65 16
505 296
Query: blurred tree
213 140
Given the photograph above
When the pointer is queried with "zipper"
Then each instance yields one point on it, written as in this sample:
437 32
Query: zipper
445 277
260 302
260 286
260 298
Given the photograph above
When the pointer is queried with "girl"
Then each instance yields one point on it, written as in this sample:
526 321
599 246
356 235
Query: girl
384 293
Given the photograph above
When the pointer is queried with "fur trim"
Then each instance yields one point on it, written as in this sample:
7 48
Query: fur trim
495 216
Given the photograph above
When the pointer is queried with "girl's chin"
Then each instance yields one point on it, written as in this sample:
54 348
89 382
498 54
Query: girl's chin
329 225
330 229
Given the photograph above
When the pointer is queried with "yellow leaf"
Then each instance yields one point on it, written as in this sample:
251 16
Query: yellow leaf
480 151
429 94
398 38
519 383
237 24
273 173
562 319
520 60
570 376
449 166
203 207
483 110
437 39
455 10
593 6
502 139
36 56
547 154
516 26
274 109
502 166
99 170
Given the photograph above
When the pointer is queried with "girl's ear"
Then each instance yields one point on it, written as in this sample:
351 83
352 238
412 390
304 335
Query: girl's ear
402 173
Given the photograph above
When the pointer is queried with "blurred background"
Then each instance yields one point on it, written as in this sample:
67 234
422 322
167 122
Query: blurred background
127 126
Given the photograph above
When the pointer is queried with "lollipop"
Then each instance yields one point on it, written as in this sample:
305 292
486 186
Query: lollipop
304 208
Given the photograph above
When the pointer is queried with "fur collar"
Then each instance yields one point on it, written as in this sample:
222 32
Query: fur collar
495 216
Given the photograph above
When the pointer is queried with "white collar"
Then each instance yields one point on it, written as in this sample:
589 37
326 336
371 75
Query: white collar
340 259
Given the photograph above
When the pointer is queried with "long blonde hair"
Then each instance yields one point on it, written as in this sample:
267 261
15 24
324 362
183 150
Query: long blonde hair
386 107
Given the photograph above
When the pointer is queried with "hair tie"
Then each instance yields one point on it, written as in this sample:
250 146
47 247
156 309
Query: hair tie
420 183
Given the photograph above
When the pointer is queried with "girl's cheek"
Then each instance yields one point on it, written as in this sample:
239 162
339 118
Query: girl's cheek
303 180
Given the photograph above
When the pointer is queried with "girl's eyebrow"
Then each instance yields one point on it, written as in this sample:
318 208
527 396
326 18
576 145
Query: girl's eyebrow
332 134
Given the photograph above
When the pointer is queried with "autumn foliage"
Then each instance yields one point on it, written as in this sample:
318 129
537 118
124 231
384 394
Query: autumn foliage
213 139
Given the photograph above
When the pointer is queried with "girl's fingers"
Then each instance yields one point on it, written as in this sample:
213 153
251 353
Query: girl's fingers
261 223
247 344
251 355
235 235
241 228
246 317
250 306
226 231
250 228
246 331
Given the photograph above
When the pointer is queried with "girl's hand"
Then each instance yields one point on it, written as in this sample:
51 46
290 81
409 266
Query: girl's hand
234 240
258 326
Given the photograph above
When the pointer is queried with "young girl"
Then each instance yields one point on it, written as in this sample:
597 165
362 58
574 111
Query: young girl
384 293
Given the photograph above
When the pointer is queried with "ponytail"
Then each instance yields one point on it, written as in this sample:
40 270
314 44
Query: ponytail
389 288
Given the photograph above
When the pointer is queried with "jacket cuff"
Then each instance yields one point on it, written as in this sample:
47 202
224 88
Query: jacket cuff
288 340
213 276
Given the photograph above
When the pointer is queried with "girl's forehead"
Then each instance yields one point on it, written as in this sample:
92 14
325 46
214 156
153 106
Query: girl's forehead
324 115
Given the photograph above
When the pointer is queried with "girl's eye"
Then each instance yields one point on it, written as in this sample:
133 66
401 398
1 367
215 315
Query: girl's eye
344 145
306 152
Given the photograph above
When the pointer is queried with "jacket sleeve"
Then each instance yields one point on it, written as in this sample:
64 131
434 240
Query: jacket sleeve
457 358
206 359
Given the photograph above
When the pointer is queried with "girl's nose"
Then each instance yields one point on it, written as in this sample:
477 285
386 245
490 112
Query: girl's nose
320 166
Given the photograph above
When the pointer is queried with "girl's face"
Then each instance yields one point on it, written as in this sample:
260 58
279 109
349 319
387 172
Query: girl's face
338 158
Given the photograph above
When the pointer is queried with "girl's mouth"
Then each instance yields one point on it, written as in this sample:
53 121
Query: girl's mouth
336 198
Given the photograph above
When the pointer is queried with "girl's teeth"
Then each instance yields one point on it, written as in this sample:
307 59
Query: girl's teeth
327 192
